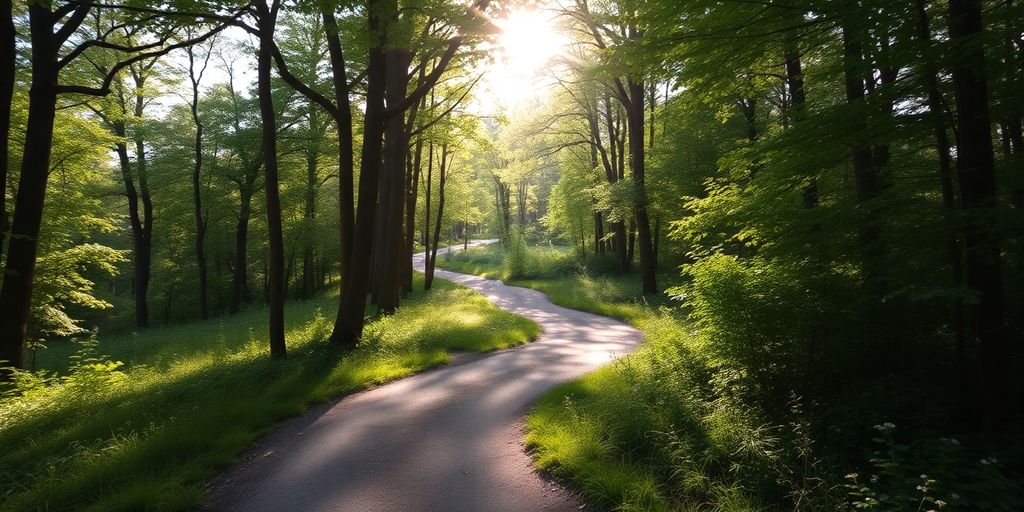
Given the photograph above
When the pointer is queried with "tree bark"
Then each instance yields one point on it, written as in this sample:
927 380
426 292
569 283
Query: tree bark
343 122
865 173
8 60
197 191
798 105
612 169
936 109
267 21
976 171
426 201
309 210
412 196
396 148
240 267
431 262
348 326
635 127
20 266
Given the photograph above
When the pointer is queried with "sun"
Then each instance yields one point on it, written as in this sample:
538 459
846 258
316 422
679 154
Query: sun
528 40
529 43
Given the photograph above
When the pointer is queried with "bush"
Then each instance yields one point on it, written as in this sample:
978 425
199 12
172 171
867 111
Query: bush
768 325
517 255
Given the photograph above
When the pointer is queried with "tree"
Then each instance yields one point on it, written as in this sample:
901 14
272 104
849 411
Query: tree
976 171
122 112
8 66
49 30
266 22
631 94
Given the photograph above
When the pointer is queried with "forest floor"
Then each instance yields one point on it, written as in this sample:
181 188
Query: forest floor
446 440
142 421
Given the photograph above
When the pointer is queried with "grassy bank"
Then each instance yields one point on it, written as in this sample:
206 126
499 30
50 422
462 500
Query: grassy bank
711 415
141 421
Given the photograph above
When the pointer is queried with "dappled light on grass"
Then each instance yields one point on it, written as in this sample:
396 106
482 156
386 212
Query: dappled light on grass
146 435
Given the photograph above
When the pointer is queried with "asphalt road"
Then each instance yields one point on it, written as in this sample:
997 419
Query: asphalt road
450 439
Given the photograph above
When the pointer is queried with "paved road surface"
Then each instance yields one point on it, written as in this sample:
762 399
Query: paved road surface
447 440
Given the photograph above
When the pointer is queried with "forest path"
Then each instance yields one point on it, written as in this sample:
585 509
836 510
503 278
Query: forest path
450 439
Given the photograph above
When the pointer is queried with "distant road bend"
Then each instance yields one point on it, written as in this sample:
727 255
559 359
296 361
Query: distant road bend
446 440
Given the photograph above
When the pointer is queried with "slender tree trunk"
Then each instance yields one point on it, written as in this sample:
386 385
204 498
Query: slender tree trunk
20 266
942 146
428 279
635 127
145 248
413 160
426 204
865 174
612 165
240 270
395 150
8 60
348 326
141 243
412 197
343 121
197 191
798 106
976 170
309 211
275 280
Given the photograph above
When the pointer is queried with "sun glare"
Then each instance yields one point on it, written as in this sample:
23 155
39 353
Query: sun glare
528 44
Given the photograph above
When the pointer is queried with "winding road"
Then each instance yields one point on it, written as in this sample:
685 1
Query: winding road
448 439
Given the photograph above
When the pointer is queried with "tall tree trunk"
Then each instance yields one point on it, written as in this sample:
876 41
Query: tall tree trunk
309 211
428 279
413 160
936 110
395 150
866 180
145 248
412 196
8 60
141 239
240 271
426 202
267 21
343 122
348 326
976 171
798 105
613 171
635 127
20 266
197 191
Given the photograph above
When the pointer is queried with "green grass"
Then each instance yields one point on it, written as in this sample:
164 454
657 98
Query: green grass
636 434
568 282
189 398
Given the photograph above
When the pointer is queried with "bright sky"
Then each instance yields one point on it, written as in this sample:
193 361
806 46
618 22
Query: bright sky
518 72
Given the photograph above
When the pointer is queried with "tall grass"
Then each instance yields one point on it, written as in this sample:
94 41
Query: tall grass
146 434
